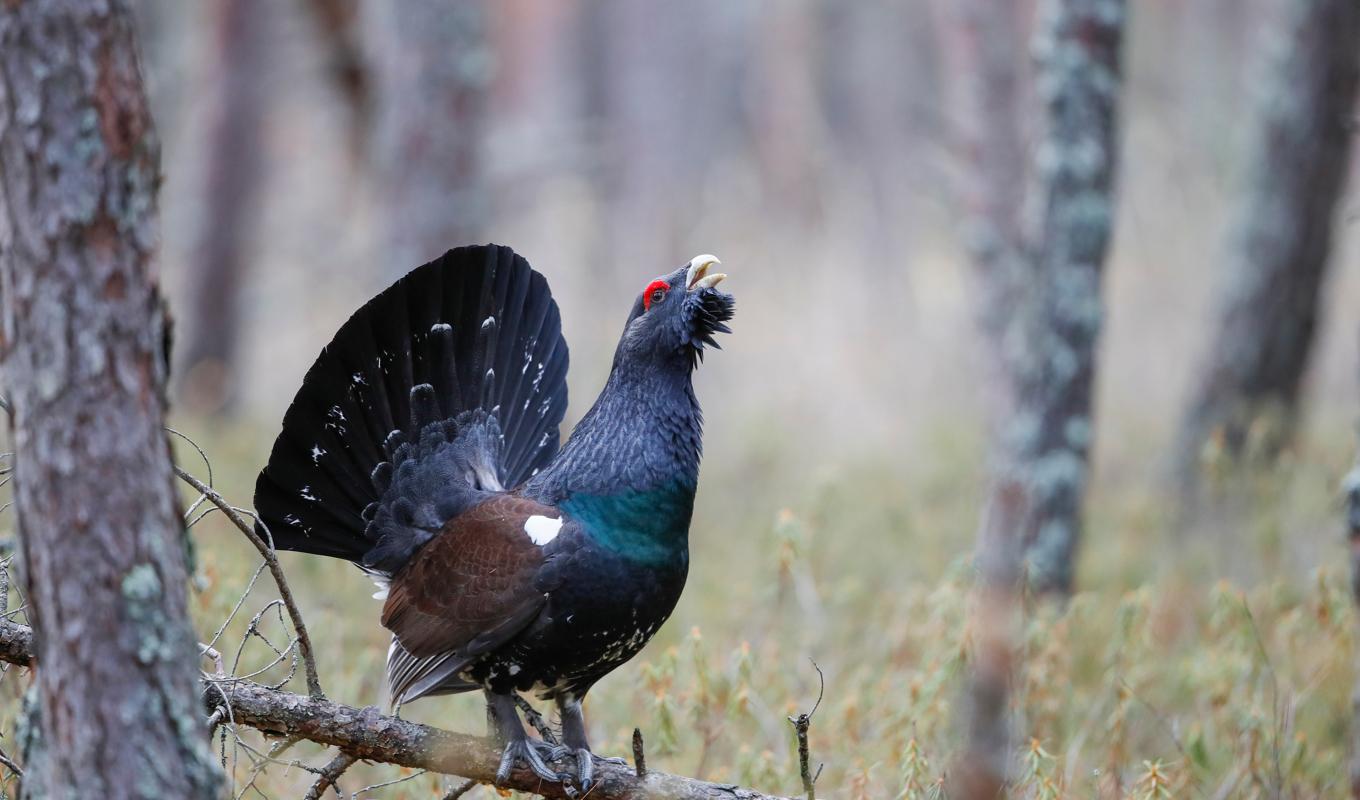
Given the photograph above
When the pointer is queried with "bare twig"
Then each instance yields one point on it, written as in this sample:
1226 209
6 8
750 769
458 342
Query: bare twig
329 775
460 790
639 757
10 765
801 724
266 550
382 784
209 652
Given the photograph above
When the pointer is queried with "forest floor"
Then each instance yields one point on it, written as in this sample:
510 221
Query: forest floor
1206 660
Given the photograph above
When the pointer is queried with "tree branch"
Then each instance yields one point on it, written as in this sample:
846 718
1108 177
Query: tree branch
270 558
372 736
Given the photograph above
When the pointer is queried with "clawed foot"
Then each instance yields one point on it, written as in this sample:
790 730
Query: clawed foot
550 752
527 751
585 766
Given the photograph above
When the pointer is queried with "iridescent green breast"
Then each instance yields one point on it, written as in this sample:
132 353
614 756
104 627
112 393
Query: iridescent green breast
649 527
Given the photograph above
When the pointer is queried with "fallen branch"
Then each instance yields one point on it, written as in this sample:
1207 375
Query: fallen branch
369 735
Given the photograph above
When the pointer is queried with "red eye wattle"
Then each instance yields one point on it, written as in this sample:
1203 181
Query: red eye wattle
654 293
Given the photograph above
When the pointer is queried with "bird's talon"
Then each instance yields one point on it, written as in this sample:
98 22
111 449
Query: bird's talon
550 752
521 749
585 768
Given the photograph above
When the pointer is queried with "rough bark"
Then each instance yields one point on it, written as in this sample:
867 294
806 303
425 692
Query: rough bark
102 541
1247 388
369 735
1077 44
236 106
431 70
1040 273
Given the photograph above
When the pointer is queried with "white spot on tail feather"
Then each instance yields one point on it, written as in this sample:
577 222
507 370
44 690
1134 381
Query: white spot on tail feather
542 529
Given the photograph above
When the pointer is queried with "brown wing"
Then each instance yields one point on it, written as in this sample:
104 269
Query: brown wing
473 586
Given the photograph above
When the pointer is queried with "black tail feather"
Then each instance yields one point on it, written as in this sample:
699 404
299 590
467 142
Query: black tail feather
474 329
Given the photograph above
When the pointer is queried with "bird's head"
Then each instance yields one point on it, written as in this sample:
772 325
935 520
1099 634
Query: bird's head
677 314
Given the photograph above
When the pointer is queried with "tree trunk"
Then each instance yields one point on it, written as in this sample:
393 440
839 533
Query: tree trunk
337 23
984 44
1077 45
1040 273
236 109
1352 488
103 544
1246 391
431 72
981 770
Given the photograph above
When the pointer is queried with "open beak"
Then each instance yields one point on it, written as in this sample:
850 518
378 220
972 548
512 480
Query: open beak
698 276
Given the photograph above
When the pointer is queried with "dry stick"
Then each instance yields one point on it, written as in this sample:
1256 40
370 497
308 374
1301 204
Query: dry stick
329 775
10 765
460 790
370 735
639 758
801 724
271 558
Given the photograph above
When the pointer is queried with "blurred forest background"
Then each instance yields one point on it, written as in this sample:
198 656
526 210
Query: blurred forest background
315 150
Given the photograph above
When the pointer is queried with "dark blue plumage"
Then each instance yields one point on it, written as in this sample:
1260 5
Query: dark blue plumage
423 447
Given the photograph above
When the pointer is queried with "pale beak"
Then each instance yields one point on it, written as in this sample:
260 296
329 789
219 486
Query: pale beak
698 277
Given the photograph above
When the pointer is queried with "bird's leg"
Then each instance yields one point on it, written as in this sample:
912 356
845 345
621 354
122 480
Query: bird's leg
574 737
503 719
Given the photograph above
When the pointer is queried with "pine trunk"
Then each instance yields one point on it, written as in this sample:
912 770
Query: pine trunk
1039 273
1247 389
431 71
236 109
1078 46
82 359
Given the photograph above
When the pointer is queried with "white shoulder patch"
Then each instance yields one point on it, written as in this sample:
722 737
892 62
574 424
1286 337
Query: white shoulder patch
542 529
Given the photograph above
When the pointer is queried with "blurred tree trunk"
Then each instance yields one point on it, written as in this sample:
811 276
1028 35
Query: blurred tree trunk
431 70
985 51
981 770
337 23
82 359
1247 388
1352 488
791 138
1041 273
1351 485
236 108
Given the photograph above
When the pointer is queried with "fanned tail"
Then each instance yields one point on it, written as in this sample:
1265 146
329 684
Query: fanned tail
450 382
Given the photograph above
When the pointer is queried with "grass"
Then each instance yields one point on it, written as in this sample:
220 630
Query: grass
1219 666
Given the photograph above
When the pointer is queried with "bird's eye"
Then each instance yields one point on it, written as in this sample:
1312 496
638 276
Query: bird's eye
655 293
